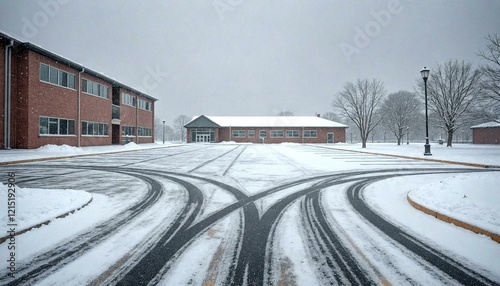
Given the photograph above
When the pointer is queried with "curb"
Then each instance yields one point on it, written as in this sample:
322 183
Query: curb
4 238
445 218
76 156
416 158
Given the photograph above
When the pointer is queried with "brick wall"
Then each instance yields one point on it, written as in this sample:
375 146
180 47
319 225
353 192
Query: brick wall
2 93
44 99
339 135
486 135
96 109
32 98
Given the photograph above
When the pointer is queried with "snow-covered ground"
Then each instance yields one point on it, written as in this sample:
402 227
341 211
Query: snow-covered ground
55 151
467 153
469 197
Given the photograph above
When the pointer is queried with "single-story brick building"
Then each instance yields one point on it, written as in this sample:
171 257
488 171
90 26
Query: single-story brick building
48 99
265 129
486 133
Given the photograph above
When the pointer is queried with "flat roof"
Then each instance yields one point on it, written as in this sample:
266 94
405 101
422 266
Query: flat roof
72 64
491 124
268 121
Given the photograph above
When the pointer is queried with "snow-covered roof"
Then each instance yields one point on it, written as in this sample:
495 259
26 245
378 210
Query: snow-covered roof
495 123
72 64
269 121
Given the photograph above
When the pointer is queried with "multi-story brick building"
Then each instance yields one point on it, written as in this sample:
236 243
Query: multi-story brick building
265 129
48 99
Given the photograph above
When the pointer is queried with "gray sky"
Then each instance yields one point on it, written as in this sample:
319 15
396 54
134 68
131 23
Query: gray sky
259 57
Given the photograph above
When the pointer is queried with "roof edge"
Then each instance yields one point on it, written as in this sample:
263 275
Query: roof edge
72 64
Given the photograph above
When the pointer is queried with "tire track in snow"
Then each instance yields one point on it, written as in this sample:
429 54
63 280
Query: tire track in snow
41 265
213 159
438 259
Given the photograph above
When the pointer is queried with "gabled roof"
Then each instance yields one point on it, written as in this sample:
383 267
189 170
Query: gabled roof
69 63
491 124
262 121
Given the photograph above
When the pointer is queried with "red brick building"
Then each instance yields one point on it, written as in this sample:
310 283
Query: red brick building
265 129
48 99
486 133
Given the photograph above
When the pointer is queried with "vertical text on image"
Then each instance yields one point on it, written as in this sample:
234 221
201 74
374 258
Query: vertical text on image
11 224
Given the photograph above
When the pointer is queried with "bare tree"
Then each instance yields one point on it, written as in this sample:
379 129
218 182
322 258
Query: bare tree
401 110
179 123
331 116
491 72
453 90
285 113
359 102
160 129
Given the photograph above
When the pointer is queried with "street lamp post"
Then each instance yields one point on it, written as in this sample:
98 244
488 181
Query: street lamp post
163 132
407 135
425 75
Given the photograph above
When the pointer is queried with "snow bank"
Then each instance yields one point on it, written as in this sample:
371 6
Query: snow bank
66 149
471 198
131 146
34 206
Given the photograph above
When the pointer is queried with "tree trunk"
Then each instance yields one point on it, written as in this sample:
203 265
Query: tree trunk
399 141
450 138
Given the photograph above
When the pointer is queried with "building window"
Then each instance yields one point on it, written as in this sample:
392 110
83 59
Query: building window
292 134
262 133
56 126
310 134
143 131
94 88
56 76
145 105
239 134
128 130
94 128
251 133
128 99
276 133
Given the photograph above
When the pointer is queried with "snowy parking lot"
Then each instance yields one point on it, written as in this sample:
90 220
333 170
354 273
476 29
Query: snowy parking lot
244 214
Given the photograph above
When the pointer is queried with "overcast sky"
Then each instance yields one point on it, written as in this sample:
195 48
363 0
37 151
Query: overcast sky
242 57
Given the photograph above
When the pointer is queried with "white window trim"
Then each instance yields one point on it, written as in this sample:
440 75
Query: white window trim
244 136
132 96
271 133
106 98
298 134
310 136
48 82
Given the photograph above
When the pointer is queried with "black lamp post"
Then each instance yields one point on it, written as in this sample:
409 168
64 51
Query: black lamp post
407 135
425 75
163 132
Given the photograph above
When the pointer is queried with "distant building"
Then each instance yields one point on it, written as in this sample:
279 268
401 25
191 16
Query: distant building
48 99
486 133
265 129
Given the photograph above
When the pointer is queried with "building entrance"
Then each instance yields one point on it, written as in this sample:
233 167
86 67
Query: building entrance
202 138
329 138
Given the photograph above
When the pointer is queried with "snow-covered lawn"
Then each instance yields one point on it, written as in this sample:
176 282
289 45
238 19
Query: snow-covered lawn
54 151
467 153
35 206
